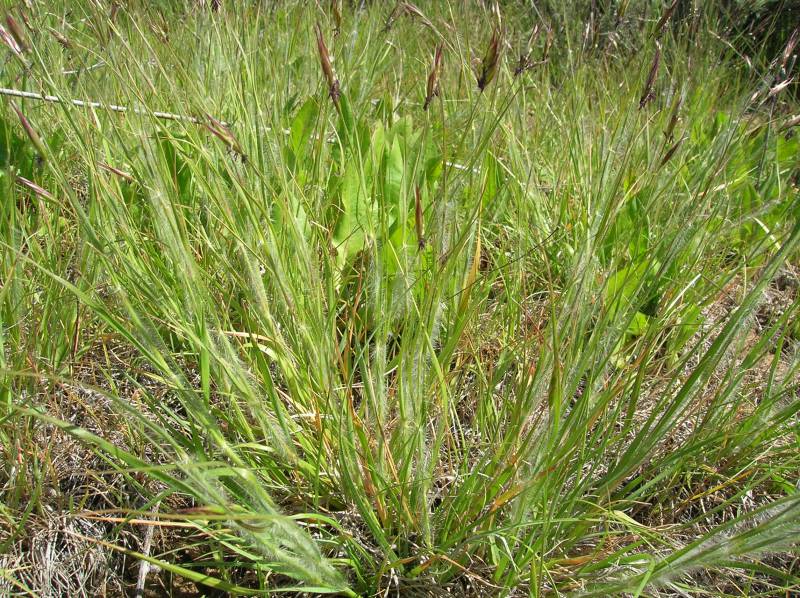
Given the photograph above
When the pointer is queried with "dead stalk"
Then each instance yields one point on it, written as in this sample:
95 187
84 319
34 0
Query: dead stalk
99 105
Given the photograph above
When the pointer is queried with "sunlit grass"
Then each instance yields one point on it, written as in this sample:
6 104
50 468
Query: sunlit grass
498 319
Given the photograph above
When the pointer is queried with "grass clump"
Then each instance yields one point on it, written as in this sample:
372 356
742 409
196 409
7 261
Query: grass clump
392 310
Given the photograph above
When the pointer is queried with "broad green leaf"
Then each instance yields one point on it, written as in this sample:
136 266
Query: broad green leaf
638 325
393 181
302 126
491 183
433 161
378 143
356 219
621 287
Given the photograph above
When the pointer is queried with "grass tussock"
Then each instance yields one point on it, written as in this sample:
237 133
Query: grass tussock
458 298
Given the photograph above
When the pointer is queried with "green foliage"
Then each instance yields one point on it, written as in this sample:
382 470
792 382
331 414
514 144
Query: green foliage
511 338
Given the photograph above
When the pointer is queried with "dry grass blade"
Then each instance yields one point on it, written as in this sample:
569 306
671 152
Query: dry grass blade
776 89
4 91
116 171
41 192
791 122
144 565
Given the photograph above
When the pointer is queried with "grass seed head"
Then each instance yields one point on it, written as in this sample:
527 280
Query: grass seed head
327 67
61 39
414 11
17 33
647 93
409 9
224 134
491 61
548 44
418 219
788 51
665 18
10 42
673 116
432 89
392 17
524 62
671 152
336 11
30 132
